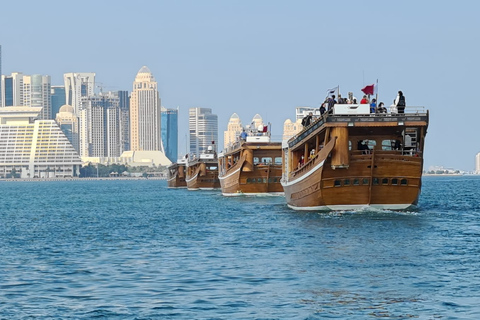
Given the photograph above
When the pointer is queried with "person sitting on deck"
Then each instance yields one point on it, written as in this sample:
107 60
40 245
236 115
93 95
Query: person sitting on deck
364 100
381 108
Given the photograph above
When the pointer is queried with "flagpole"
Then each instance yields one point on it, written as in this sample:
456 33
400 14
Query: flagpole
376 95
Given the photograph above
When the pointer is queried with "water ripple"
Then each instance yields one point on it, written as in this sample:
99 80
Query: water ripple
137 250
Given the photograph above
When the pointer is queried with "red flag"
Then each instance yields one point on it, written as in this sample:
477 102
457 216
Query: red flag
369 89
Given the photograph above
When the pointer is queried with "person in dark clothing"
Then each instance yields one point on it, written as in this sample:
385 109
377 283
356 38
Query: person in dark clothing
400 102
331 102
306 121
322 109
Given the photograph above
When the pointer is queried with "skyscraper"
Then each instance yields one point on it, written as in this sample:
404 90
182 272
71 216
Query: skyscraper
234 128
78 85
1 78
36 93
58 99
124 121
145 113
12 90
203 127
99 118
68 123
170 133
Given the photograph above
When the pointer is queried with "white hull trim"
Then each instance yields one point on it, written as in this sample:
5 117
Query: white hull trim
188 180
288 183
256 194
225 177
399 206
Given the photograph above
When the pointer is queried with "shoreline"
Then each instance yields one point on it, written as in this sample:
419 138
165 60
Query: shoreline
80 179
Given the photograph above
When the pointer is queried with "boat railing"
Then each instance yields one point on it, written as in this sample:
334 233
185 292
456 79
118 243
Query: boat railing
404 152
327 117
305 167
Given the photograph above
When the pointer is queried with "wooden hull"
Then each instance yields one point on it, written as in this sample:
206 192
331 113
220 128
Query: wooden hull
176 182
176 176
393 184
248 176
200 178
263 180
342 176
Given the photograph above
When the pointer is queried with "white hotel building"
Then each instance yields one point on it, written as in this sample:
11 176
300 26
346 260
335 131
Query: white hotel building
34 148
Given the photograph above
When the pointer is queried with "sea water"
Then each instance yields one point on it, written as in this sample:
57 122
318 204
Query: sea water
116 249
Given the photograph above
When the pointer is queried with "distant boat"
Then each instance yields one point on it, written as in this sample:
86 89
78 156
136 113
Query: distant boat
176 174
355 159
252 166
202 172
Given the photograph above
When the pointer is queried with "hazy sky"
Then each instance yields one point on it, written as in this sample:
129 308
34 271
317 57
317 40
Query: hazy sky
265 57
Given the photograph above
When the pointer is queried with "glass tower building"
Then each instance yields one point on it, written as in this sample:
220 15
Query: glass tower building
203 129
170 133
58 99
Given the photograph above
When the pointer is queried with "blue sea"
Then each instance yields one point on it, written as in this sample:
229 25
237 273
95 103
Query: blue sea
121 249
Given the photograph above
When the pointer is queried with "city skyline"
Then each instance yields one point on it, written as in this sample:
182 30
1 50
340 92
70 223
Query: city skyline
267 57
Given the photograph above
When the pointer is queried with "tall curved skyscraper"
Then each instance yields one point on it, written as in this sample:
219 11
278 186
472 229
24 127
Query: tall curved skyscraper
145 113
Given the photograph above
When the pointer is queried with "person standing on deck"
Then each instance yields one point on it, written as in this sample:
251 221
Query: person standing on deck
400 102
331 103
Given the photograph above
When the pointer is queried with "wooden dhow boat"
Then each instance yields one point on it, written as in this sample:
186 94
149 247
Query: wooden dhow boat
176 174
252 166
202 172
354 159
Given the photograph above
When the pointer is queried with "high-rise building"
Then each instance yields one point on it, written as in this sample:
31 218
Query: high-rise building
12 90
68 123
1 78
145 113
34 148
78 85
477 164
203 127
170 133
234 128
36 93
58 99
124 121
291 128
99 118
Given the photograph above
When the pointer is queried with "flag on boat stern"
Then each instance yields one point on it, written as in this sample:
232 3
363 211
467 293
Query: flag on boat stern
370 89
331 92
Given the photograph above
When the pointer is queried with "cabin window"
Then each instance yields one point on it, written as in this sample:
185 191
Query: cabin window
256 160
394 181
337 183
366 181
403 182
370 143
346 182
278 160
375 181
212 168
266 160
259 180
356 182
387 145
349 145
384 181
249 180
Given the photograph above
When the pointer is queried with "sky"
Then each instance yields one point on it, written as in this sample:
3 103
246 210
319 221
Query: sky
265 56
